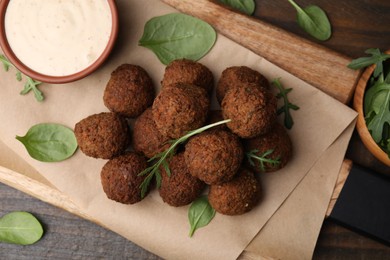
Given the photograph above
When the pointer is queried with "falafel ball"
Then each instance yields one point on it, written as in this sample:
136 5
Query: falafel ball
179 109
129 91
235 76
214 156
146 137
276 140
180 188
237 196
120 180
188 71
251 109
102 135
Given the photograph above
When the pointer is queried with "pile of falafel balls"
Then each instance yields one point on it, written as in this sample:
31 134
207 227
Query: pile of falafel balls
214 158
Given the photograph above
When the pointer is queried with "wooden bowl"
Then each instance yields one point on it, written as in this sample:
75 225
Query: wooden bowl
57 79
361 126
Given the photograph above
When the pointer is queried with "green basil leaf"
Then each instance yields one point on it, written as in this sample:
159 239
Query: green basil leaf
20 228
314 21
49 142
244 6
175 36
200 214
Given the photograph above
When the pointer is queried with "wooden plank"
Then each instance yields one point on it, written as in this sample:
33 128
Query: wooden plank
40 191
321 67
343 174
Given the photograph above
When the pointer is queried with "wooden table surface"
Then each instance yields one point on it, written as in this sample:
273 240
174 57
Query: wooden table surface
357 26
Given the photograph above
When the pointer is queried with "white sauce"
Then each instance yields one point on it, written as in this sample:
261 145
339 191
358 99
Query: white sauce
58 37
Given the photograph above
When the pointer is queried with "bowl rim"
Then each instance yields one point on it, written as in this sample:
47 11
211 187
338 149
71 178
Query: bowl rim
57 79
361 126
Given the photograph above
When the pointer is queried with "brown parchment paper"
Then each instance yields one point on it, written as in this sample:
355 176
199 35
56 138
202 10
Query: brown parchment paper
151 224
292 231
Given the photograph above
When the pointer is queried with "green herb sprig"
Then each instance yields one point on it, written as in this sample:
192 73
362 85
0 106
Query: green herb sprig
377 57
163 157
313 20
288 120
30 83
20 228
200 214
262 159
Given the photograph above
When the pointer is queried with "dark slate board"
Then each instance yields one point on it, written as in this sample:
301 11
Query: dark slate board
364 204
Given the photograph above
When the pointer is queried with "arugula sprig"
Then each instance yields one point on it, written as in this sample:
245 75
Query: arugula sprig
29 85
163 157
262 159
377 57
288 120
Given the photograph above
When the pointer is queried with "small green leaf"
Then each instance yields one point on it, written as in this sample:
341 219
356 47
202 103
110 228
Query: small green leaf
175 36
371 92
244 6
314 21
29 85
166 168
200 214
377 57
18 76
20 228
288 120
375 126
49 142
262 159
32 84
5 61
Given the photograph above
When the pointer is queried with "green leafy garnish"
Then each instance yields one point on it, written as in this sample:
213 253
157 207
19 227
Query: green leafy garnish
382 115
161 158
175 36
200 214
313 20
244 6
20 228
288 120
30 83
376 105
377 58
262 159
49 142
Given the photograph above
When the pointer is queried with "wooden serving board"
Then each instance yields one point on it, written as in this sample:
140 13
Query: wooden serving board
304 59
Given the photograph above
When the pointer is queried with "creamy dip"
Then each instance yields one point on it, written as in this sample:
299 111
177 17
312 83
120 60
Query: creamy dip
58 37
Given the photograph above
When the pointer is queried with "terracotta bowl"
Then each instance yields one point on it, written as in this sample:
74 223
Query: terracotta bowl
57 79
361 126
